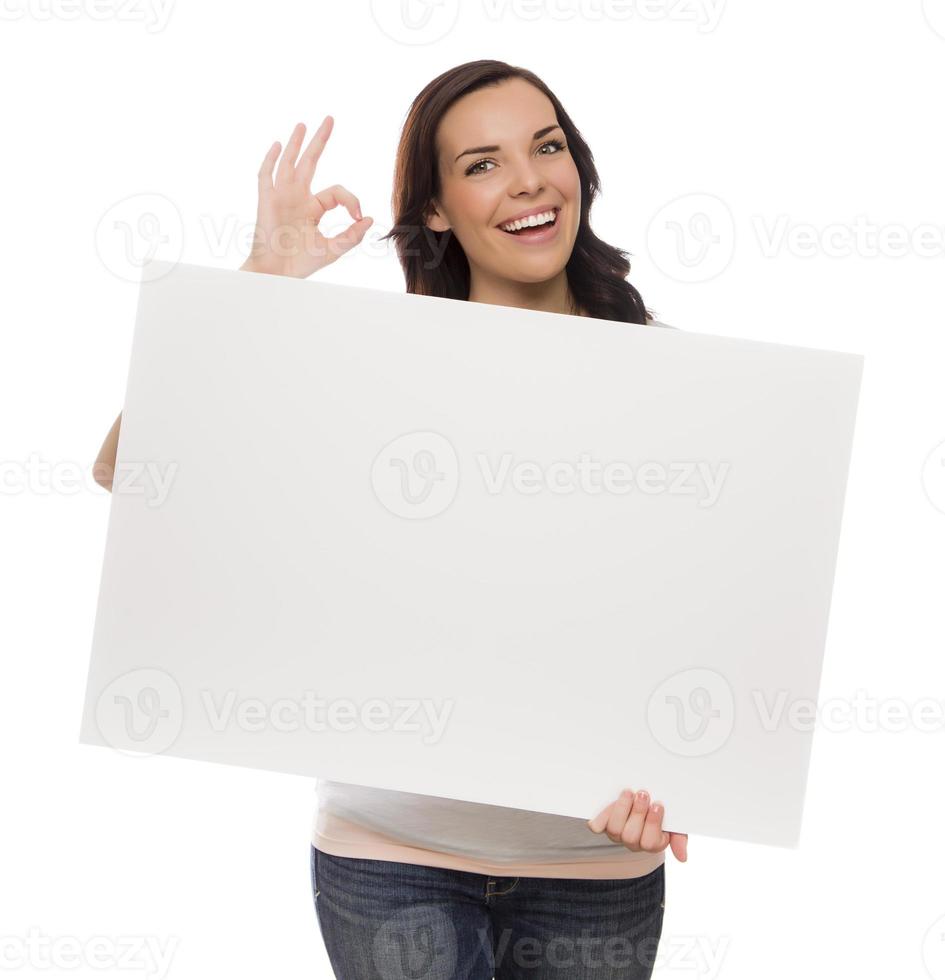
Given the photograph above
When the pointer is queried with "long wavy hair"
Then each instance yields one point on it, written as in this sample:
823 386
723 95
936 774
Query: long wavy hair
597 272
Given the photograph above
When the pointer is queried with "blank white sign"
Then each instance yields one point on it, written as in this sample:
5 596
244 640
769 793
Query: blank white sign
471 551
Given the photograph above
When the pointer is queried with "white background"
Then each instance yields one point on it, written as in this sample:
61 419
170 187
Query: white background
736 122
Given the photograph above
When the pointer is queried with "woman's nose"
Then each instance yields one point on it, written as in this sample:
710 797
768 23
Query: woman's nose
526 178
527 184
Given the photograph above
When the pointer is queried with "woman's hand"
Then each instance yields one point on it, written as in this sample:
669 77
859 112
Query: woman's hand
633 821
287 241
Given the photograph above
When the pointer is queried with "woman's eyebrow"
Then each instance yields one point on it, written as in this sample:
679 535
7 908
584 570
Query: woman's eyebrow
492 149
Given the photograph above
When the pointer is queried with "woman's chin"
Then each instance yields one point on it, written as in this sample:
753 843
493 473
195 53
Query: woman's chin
537 268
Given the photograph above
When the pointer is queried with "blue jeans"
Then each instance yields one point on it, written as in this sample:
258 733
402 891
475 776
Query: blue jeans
386 920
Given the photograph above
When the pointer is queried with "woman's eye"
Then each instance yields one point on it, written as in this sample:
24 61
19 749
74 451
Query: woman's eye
557 144
473 170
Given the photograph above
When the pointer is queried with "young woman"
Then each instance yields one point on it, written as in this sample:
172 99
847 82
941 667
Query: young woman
492 193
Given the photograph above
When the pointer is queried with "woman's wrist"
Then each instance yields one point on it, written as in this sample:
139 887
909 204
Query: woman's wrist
250 266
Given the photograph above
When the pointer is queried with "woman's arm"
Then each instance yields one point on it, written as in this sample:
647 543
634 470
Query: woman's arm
104 468
287 240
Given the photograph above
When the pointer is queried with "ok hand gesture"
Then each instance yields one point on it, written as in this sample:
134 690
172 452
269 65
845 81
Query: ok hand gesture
287 241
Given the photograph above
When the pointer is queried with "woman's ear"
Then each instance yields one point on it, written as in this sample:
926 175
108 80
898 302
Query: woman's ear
435 221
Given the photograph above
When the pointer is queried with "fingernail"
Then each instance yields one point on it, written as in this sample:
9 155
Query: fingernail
643 796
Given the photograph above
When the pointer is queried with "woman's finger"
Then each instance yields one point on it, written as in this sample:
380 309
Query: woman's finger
653 837
287 163
680 845
332 197
265 170
347 239
600 821
619 812
309 159
634 826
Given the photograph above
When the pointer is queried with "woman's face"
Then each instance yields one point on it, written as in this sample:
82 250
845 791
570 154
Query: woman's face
502 153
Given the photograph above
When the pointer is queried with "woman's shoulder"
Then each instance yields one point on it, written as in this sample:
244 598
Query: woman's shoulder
660 323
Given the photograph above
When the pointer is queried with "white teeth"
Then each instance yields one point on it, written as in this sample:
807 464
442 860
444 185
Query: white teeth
531 221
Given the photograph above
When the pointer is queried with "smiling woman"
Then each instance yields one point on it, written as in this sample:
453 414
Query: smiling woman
492 194
505 151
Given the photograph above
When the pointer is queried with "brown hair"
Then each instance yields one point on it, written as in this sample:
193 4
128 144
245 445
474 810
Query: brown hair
597 272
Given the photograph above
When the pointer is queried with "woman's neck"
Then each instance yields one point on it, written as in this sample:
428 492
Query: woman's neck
550 296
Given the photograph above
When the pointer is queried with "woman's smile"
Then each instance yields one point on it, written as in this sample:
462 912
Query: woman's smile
539 234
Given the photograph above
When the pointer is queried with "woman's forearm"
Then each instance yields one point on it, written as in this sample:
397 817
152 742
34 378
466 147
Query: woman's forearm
104 468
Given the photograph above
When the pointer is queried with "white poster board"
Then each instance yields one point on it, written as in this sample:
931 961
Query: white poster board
470 551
